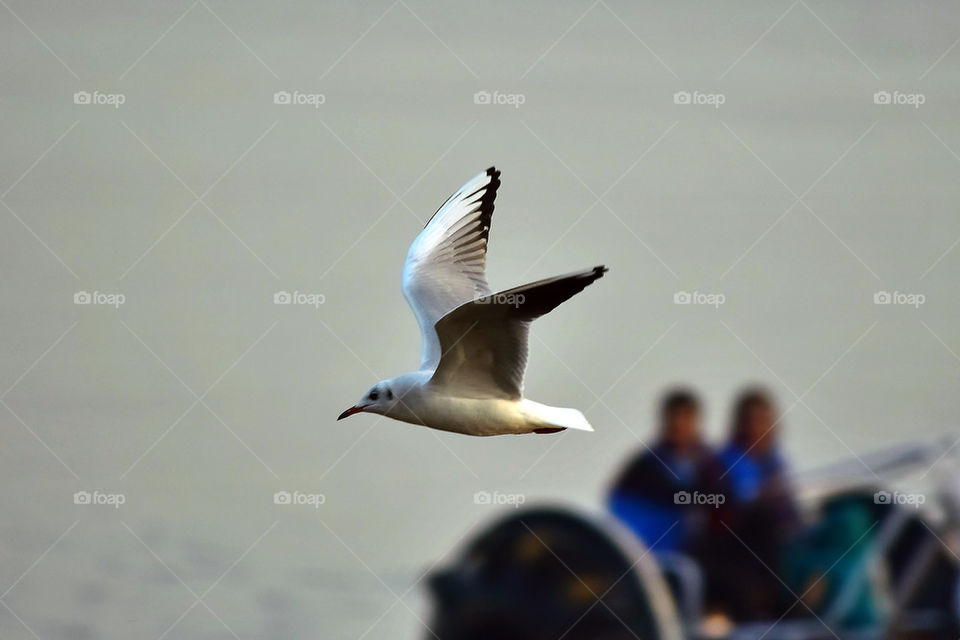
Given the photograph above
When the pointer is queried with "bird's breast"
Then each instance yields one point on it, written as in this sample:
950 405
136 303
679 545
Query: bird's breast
472 416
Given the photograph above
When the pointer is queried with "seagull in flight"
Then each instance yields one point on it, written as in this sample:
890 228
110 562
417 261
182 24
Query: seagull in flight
470 379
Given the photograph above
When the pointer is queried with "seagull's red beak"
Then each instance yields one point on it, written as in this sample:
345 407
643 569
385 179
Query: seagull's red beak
349 412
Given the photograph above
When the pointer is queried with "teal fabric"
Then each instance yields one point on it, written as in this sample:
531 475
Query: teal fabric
839 540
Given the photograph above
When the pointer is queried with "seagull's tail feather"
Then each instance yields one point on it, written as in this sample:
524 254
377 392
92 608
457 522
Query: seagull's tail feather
566 418
545 416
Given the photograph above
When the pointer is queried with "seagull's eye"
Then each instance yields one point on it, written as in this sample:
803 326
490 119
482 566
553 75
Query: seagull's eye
373 395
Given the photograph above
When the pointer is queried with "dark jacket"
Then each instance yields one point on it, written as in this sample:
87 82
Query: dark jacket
671 502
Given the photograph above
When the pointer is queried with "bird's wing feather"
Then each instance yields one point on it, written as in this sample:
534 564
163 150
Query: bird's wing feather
484 342
446 264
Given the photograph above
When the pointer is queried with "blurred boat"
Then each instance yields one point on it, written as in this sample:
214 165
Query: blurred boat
554 573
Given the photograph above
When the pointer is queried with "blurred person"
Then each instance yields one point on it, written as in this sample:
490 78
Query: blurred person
754 465
763 515
663 493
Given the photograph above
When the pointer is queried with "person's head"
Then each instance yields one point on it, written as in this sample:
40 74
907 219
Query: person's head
754 422
680 420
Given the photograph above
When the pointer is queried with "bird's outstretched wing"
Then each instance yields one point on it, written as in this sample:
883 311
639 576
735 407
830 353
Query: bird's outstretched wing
484 342
446 264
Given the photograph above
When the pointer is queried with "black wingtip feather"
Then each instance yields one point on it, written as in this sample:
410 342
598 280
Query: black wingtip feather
486 203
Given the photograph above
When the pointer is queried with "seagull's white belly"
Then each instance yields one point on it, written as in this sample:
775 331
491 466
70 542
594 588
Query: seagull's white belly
472 416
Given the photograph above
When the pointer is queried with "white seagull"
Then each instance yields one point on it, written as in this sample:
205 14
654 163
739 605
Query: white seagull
470 378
